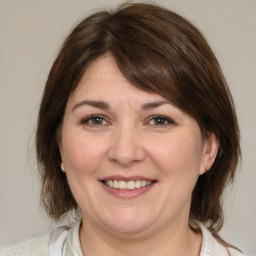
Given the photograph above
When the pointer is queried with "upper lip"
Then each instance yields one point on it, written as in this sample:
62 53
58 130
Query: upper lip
123 178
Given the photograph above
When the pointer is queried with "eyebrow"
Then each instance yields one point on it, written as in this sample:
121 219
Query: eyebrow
96 104
154 104
105 106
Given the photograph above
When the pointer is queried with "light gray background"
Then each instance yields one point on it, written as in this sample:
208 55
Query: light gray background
30 35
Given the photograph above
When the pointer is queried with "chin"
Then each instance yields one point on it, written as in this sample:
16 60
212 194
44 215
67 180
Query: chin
129 223
129 229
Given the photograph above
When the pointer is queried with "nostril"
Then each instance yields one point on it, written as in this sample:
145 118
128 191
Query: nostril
126 157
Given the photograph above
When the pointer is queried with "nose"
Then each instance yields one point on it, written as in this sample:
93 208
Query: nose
126 147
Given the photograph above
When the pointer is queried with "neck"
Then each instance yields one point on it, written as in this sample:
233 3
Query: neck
179 240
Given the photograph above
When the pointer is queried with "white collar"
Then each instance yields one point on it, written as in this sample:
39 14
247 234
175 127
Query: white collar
64 241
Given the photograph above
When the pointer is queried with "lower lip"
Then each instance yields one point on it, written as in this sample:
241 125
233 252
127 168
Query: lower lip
126 193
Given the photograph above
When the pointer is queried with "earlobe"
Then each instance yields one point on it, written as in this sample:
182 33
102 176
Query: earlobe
62 159
210 150
62 167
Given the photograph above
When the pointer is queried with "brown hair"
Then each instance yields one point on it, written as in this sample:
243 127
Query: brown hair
158 51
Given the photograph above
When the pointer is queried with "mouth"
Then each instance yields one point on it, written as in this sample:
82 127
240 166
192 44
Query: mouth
127 185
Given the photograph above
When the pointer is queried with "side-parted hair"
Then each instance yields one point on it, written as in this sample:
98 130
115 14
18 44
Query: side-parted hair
157 51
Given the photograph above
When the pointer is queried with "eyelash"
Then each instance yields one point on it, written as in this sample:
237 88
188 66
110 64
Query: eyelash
167 120
89 121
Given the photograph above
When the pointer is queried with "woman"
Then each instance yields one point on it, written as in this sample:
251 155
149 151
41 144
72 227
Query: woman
137 135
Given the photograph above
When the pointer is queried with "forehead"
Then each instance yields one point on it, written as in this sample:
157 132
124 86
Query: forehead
103 79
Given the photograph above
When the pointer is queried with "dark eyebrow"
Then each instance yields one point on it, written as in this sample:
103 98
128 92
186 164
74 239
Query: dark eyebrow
104 105
96 104
154 104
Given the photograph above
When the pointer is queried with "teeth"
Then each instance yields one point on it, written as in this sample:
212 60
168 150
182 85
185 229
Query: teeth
115 184
122 184
129 185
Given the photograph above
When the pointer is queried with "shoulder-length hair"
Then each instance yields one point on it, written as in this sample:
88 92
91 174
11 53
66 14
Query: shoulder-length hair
157 51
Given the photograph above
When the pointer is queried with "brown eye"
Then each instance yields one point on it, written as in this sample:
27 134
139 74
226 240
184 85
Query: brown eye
160 121
95 120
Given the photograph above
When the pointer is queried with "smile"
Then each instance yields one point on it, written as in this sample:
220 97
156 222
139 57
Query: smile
127 185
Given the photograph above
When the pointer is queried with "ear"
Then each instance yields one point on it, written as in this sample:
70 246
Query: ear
61 151
59 140
210 150
62 167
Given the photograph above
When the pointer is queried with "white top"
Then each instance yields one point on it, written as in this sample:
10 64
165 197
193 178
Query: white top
64 241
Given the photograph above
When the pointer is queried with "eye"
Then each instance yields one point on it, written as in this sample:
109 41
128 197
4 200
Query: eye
160 120
95 120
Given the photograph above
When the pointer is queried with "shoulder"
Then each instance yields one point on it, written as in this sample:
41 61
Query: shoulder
219 248
33 246
211 246
234 252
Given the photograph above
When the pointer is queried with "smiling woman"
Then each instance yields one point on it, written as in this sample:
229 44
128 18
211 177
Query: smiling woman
133 154
137 133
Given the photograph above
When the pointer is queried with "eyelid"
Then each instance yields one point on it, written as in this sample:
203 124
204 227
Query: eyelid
86 120
90 117
168 119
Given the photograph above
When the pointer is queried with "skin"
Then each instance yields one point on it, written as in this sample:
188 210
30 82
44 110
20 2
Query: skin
127 139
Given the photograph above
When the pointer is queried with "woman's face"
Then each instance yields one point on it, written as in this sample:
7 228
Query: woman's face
131 158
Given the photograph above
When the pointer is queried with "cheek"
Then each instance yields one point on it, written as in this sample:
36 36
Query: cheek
81 154
177 155
82 158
